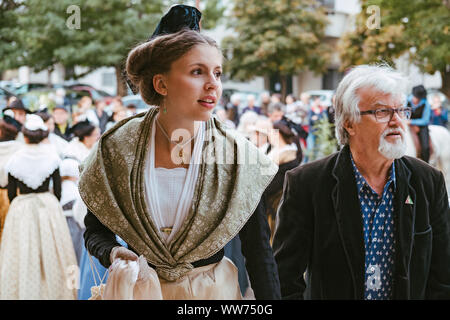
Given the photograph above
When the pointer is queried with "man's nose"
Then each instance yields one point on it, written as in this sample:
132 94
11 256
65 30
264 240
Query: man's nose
396 119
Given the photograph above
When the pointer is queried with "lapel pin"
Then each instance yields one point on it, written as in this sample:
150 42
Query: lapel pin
408 200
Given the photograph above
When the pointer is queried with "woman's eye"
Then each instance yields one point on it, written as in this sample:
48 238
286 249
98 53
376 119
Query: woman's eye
218 74
197 71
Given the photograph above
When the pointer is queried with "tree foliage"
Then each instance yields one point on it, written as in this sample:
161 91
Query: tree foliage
276 37
38 34
415 26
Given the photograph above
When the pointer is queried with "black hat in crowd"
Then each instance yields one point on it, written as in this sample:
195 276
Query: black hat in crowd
18 105
419 92
179 16
10 120
82 128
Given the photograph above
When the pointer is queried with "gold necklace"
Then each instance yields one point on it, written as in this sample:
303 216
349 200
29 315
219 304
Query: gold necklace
181 146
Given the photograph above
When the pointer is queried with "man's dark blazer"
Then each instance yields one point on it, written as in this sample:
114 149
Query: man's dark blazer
320 231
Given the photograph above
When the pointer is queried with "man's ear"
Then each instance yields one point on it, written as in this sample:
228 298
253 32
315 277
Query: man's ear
159 83
349 128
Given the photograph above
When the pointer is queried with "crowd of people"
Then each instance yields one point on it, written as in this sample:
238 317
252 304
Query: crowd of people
42 214
142 207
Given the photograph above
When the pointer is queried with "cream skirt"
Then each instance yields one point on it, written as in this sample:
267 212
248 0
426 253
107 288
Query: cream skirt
4 206
37 259
217 281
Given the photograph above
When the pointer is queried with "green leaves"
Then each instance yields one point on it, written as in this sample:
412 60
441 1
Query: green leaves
275 36
35 33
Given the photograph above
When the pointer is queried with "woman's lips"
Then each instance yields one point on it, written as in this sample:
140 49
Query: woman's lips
206 104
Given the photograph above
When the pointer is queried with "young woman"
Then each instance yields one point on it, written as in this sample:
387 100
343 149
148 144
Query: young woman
286 152
86 135
175 207
36 252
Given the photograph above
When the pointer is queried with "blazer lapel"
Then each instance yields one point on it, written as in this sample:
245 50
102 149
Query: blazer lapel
404 217
349 219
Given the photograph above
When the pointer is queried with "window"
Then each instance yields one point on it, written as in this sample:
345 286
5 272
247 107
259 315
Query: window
108 79
329 4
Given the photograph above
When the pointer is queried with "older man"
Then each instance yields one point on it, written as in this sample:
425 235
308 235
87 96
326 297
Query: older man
366 222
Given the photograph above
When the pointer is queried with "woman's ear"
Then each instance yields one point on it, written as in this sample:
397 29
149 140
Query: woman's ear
159 83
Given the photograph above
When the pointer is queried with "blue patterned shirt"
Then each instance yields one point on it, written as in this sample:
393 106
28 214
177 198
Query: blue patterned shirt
378 217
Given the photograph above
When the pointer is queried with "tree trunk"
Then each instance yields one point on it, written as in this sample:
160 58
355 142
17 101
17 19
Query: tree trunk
445 75
284 81
122 89
49 77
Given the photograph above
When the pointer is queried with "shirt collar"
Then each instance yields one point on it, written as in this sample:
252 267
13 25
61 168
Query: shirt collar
361 181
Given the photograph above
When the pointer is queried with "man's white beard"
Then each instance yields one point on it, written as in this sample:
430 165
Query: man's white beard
394 150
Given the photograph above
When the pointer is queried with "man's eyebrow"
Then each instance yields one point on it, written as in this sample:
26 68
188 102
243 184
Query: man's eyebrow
379 103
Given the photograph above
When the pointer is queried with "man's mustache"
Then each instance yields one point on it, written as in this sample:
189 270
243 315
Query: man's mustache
397 130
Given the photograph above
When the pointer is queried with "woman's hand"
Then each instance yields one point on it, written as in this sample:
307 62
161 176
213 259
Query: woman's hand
122 253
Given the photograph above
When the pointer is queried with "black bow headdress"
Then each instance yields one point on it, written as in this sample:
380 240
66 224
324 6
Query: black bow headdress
10 120
297 129
179 17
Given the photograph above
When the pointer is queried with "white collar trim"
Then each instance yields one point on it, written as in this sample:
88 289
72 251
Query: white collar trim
33 164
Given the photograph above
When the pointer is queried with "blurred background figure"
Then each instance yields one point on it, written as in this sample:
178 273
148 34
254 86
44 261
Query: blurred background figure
420 119
251 100
9 128
275 98
316 113
232 109
56 142
222 115
303 107
61 117
439 114
69 197
286 152
19 110
265 101
83 105
247 121
291 104
119 113
36 251
260 133
86 135
98 116
131 110
276 111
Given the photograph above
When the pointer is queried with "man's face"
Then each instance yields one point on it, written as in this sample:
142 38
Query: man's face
20 115
61 116
276 115
377 138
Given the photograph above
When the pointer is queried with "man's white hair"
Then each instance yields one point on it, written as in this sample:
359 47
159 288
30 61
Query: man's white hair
380 77
235 98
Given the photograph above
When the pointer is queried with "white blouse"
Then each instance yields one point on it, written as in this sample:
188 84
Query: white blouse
170 183
169 192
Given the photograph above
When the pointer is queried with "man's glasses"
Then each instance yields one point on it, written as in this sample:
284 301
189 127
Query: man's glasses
386 114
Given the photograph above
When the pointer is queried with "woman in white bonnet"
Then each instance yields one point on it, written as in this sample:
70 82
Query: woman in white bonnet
36 252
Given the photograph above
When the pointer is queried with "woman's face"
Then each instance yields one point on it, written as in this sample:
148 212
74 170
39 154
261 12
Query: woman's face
193 86
90 140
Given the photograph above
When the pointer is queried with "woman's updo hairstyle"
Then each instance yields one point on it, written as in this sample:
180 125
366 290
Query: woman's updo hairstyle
83 129
156 57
